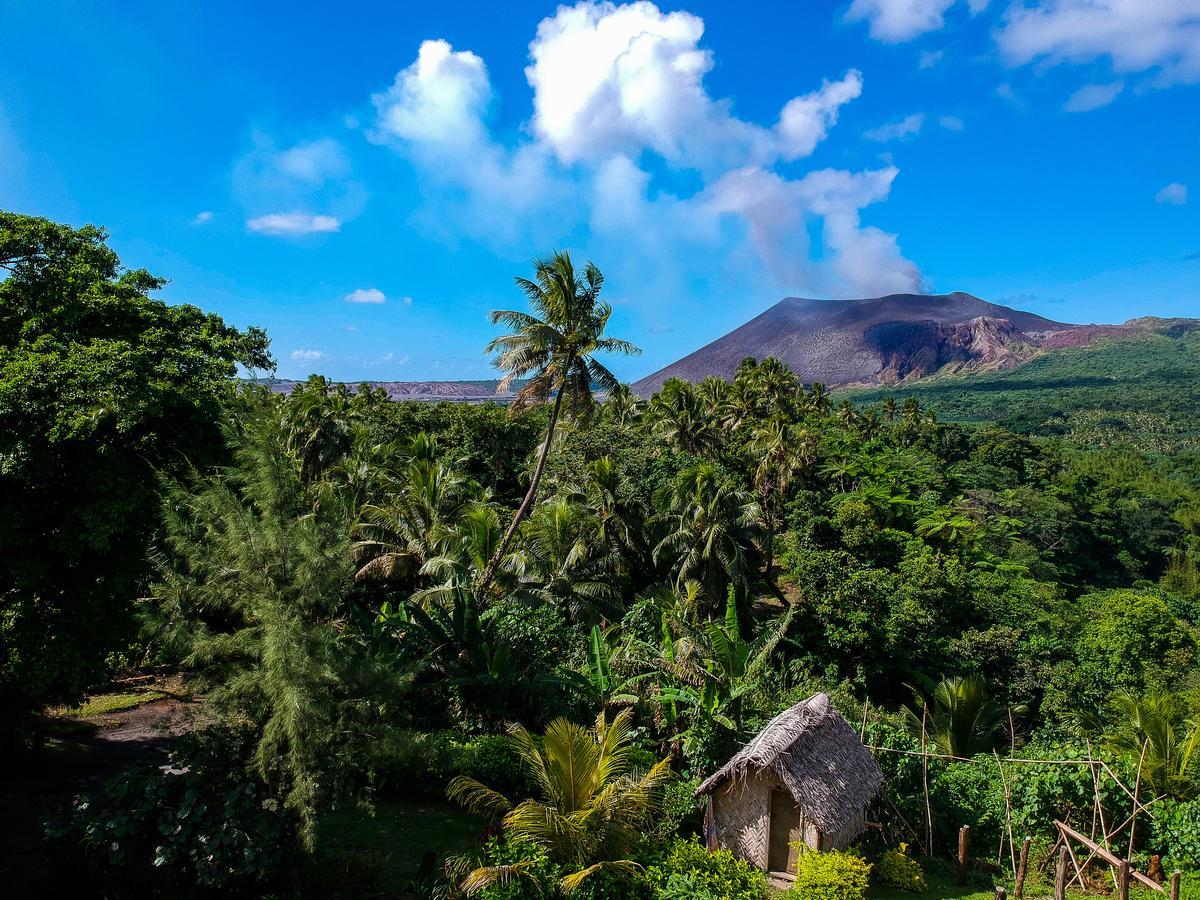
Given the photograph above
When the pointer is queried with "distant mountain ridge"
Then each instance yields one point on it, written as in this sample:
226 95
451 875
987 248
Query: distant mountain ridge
881 340
453 391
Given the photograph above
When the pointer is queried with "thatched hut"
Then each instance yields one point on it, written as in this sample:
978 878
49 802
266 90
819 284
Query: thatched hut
805 777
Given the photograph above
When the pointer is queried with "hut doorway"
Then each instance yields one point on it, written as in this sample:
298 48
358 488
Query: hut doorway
786 825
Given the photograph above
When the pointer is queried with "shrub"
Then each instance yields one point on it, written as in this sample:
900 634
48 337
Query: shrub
896 869
202 822
408 764
834 875
1175 833
687 869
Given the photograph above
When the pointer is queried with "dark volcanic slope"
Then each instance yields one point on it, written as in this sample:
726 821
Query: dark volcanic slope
865 341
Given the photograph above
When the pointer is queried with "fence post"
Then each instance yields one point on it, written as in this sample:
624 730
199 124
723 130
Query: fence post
964 844
1123 880
1019 891
1060 875
1001 893
1175 885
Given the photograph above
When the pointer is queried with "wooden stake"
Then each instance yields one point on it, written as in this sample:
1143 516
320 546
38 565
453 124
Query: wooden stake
925 780
1060 875
1019 893
1123 880
1175 885
1000 893
964 844
1137 787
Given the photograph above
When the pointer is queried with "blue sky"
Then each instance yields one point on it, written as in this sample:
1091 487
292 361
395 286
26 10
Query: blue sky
364 181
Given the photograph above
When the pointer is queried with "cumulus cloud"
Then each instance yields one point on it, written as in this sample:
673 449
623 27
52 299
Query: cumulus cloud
304 355
619 99
909 126
1136 35
293 224
202 218
894 21
1093 96
365 295
1174 194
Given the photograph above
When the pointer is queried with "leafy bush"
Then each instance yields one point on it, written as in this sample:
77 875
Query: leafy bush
896 869
409 764
834 875
1175 833
687 869
202 822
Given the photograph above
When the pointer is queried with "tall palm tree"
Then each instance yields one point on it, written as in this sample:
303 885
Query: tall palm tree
554 350
592 809
678 416
710 526
782 453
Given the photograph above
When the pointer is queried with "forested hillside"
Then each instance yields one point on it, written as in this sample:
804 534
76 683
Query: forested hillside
1141 389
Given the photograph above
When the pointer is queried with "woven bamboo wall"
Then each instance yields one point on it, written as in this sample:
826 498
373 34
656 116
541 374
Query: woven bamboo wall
742 811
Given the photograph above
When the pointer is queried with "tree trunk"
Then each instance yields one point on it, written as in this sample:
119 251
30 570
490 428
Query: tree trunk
490 571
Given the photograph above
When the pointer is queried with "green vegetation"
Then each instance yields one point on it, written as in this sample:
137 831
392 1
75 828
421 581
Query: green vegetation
100 704
382 600
1140 390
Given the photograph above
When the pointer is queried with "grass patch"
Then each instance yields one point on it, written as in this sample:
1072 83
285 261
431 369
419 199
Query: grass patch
399 835
100 704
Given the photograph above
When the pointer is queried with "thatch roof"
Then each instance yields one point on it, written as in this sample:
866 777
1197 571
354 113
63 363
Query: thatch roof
817 756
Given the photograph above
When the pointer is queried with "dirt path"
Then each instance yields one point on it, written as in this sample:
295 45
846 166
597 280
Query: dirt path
33 787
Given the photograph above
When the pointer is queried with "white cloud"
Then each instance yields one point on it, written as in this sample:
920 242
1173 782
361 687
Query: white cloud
1093 96
293 224
202 218
1174 194
308 355
365 295
619 94
437 101
805 121
407 301
310 175
315 162
930 58
894 21
907 127
952 123
1137 35
1006 92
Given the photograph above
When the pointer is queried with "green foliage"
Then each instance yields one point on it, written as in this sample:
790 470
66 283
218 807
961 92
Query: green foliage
834 875
204 821
592 806
1175 832
687 869
100 386
897 869
1154 372
252 594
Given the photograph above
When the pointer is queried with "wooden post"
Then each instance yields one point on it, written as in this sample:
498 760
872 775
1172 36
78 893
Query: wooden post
1019 892
1001 893
1060 875
1175 885
964 844
1123 880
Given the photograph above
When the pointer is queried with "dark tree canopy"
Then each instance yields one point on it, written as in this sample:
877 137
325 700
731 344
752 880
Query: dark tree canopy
101 387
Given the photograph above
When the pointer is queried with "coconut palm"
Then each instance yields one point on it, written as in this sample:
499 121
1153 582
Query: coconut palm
622 406
592 806
782 453
677 415
553 349
710 529
562 562
1154 732
957 716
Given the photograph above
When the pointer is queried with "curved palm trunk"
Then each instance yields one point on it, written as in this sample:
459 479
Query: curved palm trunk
490 571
